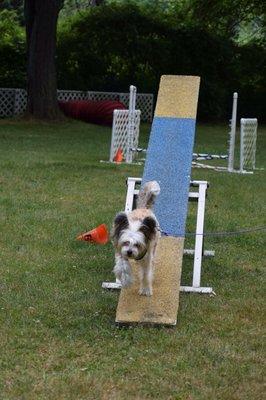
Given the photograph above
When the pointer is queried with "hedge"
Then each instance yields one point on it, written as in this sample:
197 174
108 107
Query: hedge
112 46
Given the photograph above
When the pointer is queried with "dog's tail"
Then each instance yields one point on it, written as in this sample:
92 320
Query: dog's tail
147 194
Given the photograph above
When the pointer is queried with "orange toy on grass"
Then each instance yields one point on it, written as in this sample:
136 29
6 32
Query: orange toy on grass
97 235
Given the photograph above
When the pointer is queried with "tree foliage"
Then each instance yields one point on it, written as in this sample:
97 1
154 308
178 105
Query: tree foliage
12 50
115 45
228 17
110 47
13 5
72 7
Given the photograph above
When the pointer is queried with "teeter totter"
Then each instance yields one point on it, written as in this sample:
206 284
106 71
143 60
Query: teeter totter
168 161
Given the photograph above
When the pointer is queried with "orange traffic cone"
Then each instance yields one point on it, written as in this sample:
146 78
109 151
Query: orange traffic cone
119 156
97 235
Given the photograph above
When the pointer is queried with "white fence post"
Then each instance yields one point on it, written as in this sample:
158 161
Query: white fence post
131 123
231 152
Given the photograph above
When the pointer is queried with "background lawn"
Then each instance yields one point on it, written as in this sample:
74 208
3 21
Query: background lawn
58 336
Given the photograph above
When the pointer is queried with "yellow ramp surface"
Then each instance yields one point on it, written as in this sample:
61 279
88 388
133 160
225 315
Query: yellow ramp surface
162 306
177 96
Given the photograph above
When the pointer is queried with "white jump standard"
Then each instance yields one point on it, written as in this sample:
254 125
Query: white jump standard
248 136
248 139
125 129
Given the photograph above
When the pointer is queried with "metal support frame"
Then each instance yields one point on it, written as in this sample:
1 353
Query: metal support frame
199 240
198 252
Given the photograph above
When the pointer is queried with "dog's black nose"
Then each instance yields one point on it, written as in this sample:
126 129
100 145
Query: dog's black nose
129 253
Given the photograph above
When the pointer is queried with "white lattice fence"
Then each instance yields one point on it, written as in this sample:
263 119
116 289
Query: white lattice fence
144 101
120 137
67 95
14 101
20 101
7 102
98 96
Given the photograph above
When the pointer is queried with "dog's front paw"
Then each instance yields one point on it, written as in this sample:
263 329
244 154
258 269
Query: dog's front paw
146 291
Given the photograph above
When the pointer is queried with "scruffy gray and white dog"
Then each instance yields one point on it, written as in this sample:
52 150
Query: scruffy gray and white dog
135 236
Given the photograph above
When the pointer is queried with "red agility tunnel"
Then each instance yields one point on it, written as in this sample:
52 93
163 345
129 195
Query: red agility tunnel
95 112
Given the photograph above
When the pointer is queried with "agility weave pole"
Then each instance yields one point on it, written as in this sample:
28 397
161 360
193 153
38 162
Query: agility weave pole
168 161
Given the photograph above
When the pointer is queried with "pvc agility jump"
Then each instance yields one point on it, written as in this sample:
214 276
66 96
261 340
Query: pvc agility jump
125 140
248 138
125 130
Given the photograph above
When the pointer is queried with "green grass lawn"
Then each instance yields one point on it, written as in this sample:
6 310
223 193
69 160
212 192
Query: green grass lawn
58 336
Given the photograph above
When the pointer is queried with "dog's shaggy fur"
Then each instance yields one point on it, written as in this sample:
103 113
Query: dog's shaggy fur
135 236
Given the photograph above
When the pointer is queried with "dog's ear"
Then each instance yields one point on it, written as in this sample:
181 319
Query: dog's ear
120 223
148 227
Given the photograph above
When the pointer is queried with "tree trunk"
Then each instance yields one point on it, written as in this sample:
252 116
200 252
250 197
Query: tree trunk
41 23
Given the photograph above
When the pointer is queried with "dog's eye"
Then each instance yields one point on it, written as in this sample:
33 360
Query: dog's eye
137 245
125 243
